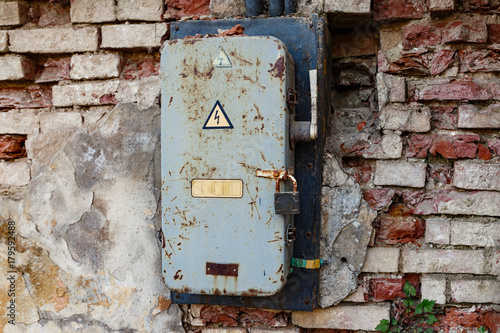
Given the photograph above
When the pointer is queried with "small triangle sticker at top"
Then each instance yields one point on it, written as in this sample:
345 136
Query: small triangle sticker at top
222 60
217 118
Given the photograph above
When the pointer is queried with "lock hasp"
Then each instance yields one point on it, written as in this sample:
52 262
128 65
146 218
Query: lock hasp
224 116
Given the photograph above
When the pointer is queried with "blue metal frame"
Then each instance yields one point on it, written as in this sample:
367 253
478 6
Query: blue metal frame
309 42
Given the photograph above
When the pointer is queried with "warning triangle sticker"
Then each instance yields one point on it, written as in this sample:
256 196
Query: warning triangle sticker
217 118
222 60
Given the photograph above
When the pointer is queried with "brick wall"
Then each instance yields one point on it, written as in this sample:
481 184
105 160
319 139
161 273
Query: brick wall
415 123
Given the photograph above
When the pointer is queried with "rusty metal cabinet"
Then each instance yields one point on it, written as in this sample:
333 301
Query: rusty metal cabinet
224 117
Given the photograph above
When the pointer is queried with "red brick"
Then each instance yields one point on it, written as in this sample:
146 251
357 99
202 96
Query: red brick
225 315
493 33
50 14
387 289
12 146
466 89
483 153
398 226
421 35
485 60
441 61
379 199
419 145
185 8
444 117
410 63
476 5
465 318
360 170
257 317
492 321
390 10
28 97
55 70
472 31
137 69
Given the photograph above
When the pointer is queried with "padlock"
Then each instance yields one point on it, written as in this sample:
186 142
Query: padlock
286 202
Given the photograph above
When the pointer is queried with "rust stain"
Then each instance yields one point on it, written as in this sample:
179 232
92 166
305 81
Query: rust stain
254 82
178 276
278 69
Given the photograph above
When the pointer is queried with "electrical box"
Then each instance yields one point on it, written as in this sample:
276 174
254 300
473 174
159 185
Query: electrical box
237 199
225 133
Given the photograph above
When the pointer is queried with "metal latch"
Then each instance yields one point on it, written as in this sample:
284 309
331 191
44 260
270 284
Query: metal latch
306 263
284 202
304 131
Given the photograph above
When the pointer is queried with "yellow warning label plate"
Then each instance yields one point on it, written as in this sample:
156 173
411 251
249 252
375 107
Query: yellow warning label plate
217 188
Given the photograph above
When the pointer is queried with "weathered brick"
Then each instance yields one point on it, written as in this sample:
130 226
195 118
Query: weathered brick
387 289
27 97
476 176
12 13
492 321
462 31
434 288
52 121
227 8
133 36
483 153
54 70
390 10
16 67
390 89
398 226
137 69
176 9
493 33
348 7
400 173
92 11
223 330
469 116
53 40
458 146
276 330
139 10
389 146
18 122
4 41
475 234
485 203
95 66
381 260
437 231
440 173
379 198
475 291
495 264
411 118
358 296
421 34
466 89
482 60
444 261
354 44
353 317
143 92
441 60
14 173
444 117
12 146
494 145
88 93
441 5
50 14
458 319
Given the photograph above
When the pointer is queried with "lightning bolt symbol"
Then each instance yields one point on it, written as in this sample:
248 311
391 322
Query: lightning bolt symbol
217 116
